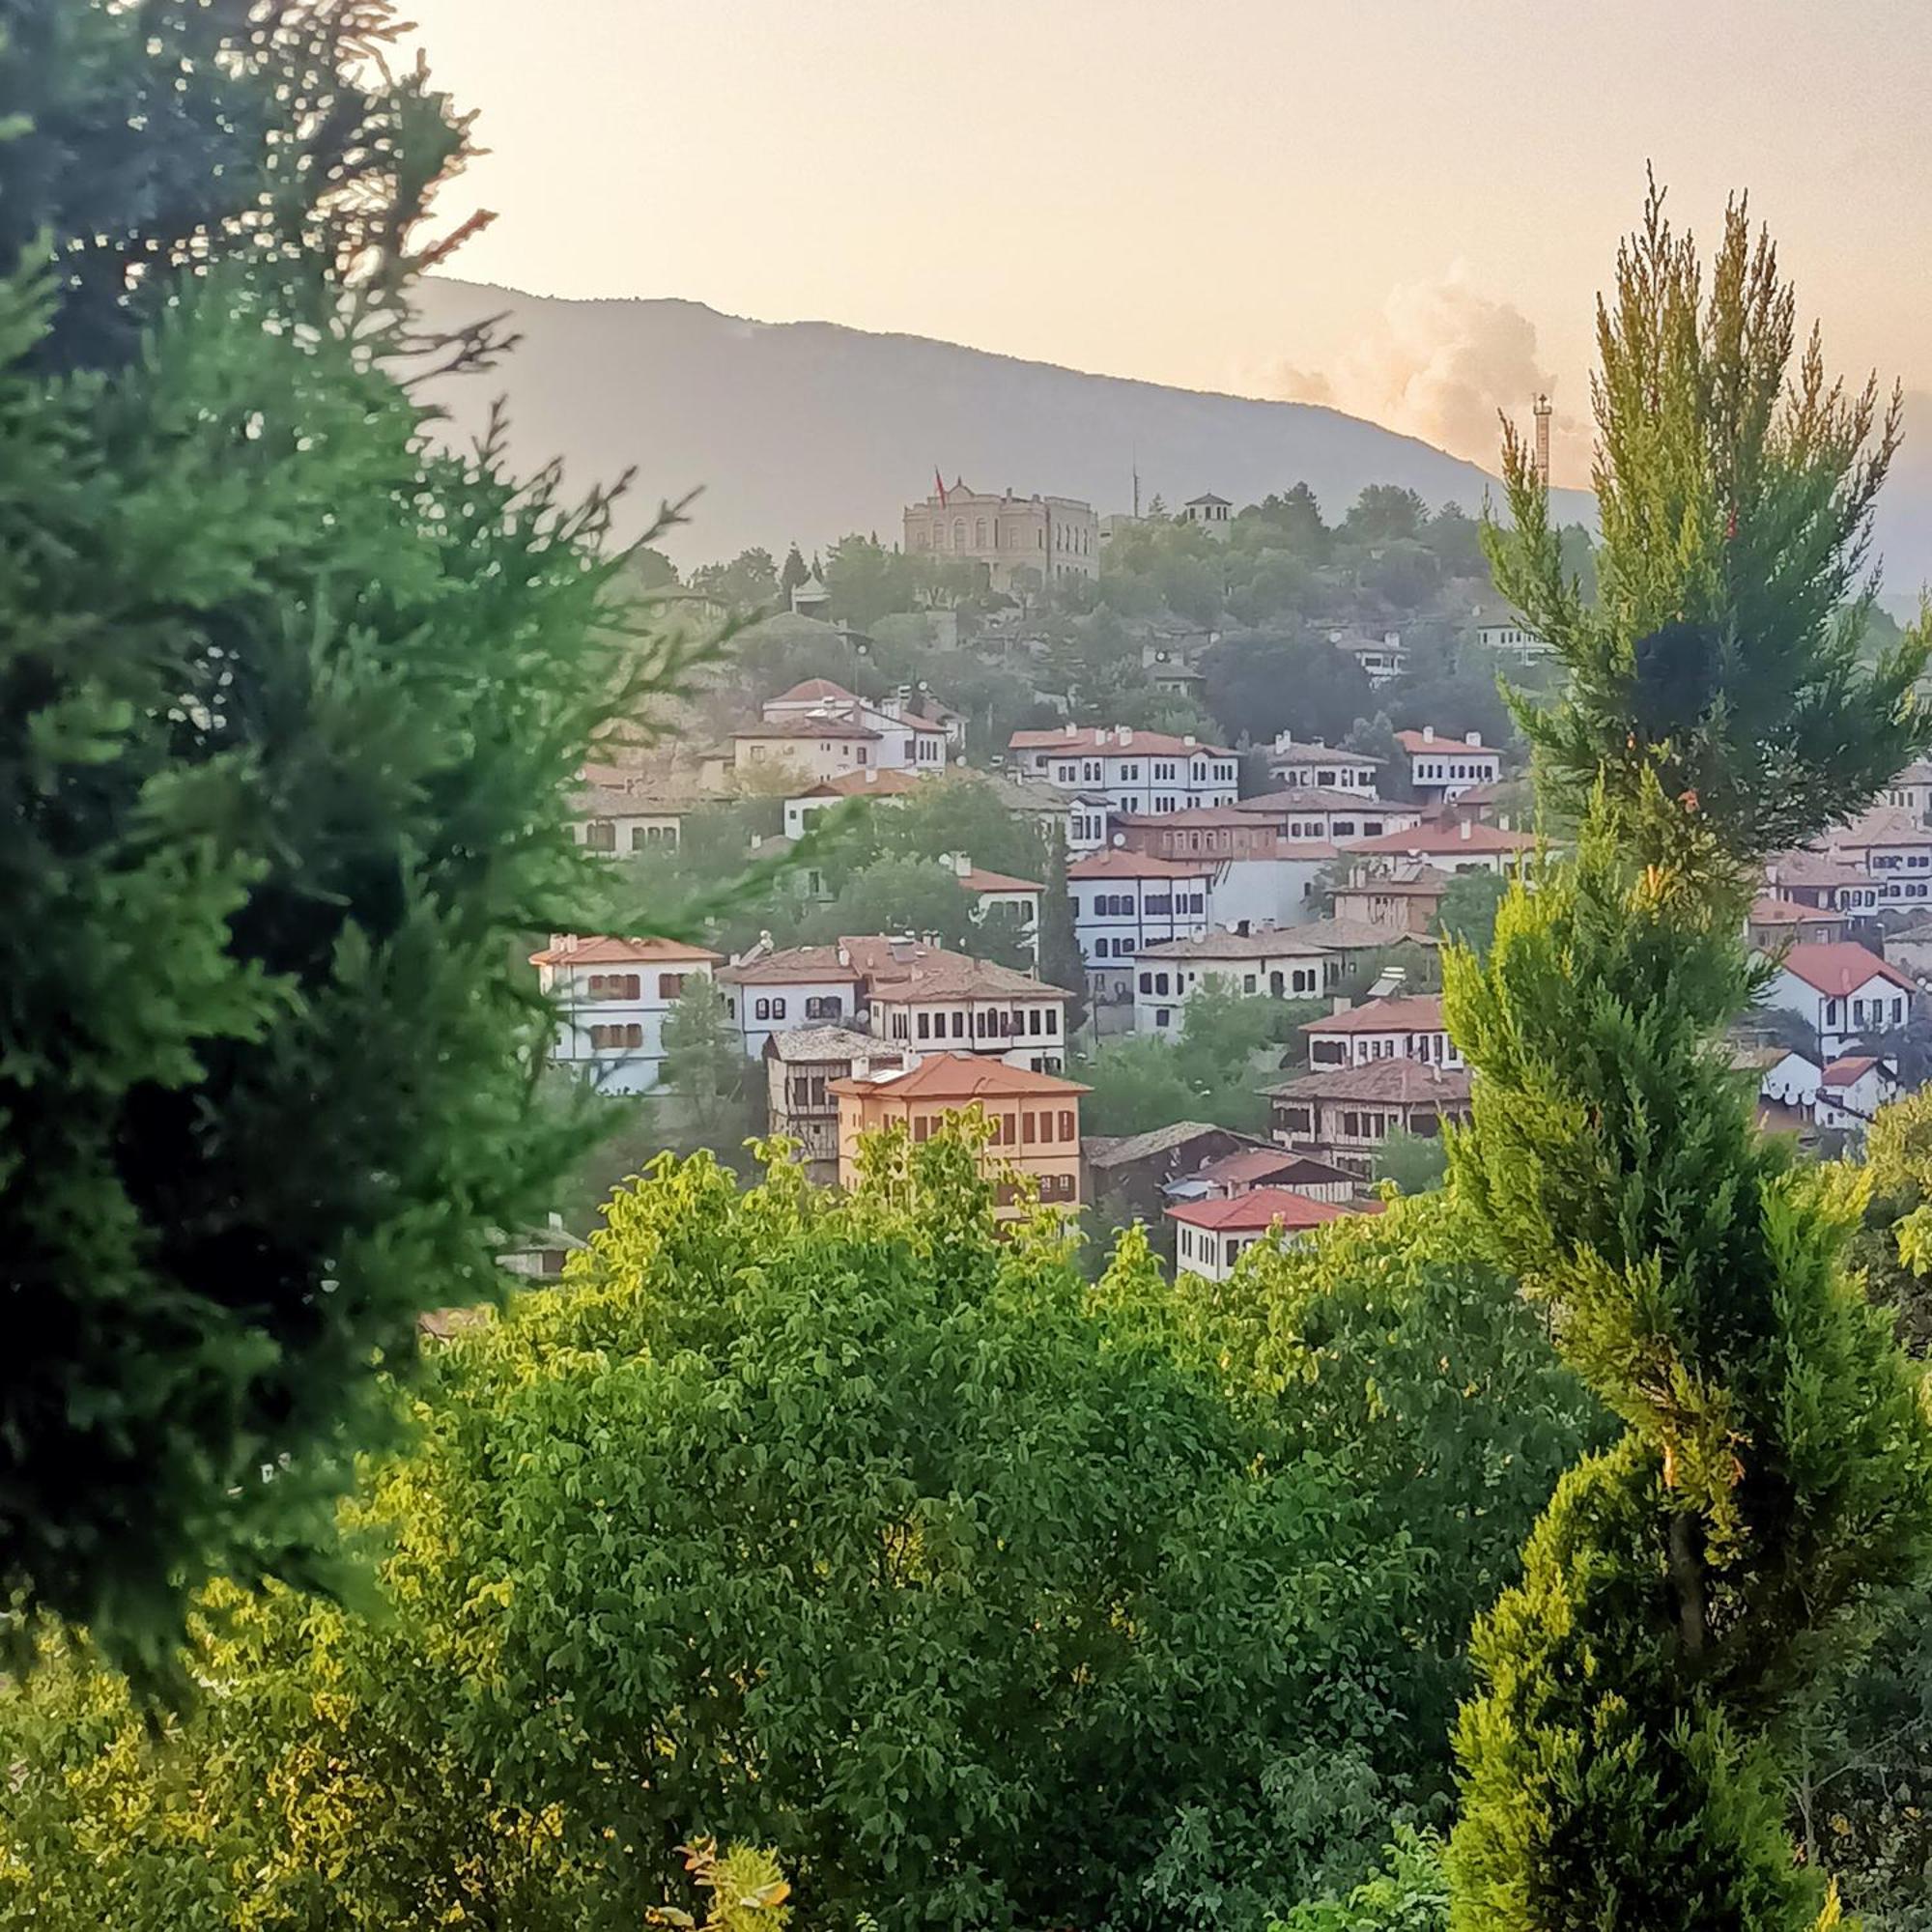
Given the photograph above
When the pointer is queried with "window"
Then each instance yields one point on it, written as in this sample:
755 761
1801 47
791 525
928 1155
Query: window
1035 1020
922 1127
1030 1128
827 1007
1298 1119
923 1028
616 1036
669 986
1052 1020
1248 981
1161 1016
763 1010
1898 1012
1066 1128
600 836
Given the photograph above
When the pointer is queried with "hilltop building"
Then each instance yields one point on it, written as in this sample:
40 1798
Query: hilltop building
1025 542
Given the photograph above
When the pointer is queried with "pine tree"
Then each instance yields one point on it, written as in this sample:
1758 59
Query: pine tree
290 706
1061 962
1619 1768
793 572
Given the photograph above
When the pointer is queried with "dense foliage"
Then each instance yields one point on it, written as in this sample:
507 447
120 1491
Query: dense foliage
848 1528
289 705
1620 1768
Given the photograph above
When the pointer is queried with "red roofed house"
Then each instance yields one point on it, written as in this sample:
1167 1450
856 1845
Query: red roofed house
1460 845
1842 993
1323 765
1441 768
1852 1090
1034 1119
1773 923
867 781
1001 892
1407 1028
1138 770
1344 1114
907 740
1211 1237
1124 901
611 997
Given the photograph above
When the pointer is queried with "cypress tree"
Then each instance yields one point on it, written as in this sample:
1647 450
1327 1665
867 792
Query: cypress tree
1619 1765
290 705
1060 962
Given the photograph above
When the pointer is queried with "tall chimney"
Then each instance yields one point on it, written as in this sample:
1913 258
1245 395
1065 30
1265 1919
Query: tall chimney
1542 440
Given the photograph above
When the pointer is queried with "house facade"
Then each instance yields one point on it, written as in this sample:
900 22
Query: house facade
1344 1114
1404 1027
1404 896
1034 1117
1134 771
768 992
868 781
906 739
937 1003
1911 790
1851 1090
1274 965
612 997
1844 993
801 1069
1456 845
1125 901
1211 1237
1317 767
1442 768
803 748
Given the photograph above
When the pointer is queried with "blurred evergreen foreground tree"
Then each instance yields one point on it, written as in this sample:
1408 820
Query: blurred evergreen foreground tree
289 703
1619 1763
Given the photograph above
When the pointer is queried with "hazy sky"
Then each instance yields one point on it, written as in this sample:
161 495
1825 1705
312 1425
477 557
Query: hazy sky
1404 207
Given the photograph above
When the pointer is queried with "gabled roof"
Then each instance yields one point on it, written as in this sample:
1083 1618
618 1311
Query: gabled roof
1768 911
1837 968
815 691
961 1078
1116 863
1125 1151
1399 1082
871 781
608 952
1413 1012
1811 868
938 975
1319 798
1358 935
1415 742
1292 753
1881 825
807 726
1257 1210
1105 741
1194 503
975 880
1428 841
1419 880
793 966
829 1043
1272 943
1250 1167
1848 1071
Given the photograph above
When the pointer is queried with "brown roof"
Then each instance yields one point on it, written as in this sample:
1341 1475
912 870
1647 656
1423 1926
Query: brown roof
1318 798
1417 1012
1838 968
1843 1072
1415 741
815 691
1768 911
605 951
1421 881
1318 755
1115 864
795 965
808 727
1401 1081
1881 825
962 1077
1272 943
870 783
1253 1165
1358 935
977 880
1465 836
1811 868
1259 1207
1104 740
937 975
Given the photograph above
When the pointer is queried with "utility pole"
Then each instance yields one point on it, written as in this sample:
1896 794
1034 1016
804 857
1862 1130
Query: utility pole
1542 440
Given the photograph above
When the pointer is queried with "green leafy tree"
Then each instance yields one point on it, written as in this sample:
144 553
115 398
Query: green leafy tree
1294 518
857 1530
1002 934
1467 913
961 812
292 705
1409 1895
1414 1162
792 573
1385 513
1621 1765
1257 687
1137 1085
747 582
899 896
704 1055
1060 962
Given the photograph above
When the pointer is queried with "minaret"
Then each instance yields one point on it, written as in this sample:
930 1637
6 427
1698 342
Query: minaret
1542 440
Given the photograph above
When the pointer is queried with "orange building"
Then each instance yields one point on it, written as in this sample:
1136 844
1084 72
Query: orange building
1034 1119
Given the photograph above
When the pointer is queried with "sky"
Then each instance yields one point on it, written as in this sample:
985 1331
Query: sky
1404 208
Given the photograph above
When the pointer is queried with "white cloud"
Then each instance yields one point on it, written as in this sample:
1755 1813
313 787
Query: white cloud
1439 362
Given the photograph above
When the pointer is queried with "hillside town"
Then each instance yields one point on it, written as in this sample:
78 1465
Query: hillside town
1163 875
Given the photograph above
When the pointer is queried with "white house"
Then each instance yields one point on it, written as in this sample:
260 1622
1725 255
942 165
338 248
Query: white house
1459 845
1509 639
1441 768
1316 766
1079 817
1134 771
1126 901
1851 1090
612 998
1211 1237
1841 991
1322 812
1275 965
868 783
1891 845
907 740
618 820
769 991
1384 659
1911 790
1000 892
926 1000
1407 1027
1788 1078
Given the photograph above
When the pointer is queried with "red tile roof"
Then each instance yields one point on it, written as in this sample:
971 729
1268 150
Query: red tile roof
1116 863
1846 1071
1418 1013
961 1078
1399 1081
1258 1209
1415 741
605 951
1446 842
977 881
1838 968
868 783
1104 740
794 966
1768 911
815 691
808 727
